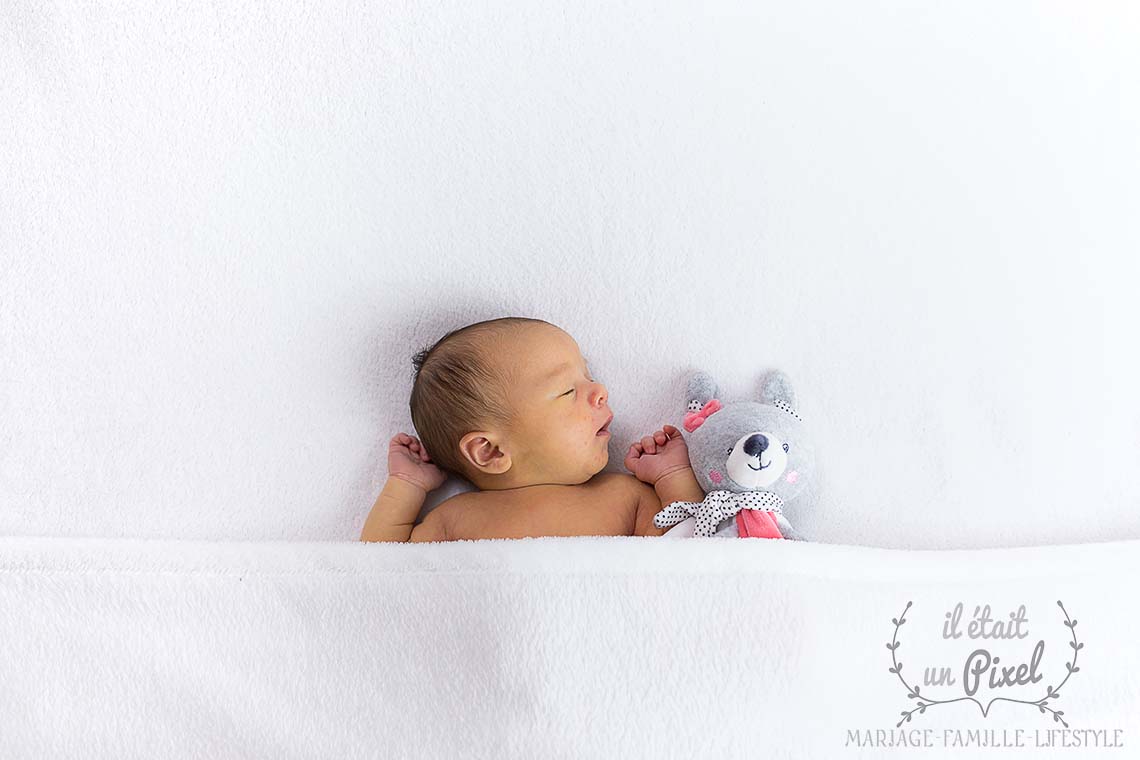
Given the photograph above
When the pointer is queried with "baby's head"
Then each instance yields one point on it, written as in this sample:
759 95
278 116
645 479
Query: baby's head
508 403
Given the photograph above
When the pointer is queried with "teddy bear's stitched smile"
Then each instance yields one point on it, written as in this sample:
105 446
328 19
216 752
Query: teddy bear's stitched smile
761 467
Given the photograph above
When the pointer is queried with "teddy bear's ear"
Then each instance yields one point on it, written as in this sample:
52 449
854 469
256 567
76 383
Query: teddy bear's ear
702 388
776 389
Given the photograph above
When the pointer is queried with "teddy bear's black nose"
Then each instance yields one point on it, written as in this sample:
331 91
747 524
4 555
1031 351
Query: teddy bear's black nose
755 444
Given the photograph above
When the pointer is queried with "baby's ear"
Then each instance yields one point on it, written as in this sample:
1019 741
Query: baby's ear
776 388
702 388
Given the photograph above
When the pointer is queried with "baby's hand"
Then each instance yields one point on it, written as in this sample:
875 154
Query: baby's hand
409 460
658 455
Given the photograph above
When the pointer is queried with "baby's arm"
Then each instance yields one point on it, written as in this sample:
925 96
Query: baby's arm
662 461
679 485
411 474
394 514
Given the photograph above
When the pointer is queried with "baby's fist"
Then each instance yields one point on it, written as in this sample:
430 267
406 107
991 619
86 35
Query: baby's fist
409 460
657 455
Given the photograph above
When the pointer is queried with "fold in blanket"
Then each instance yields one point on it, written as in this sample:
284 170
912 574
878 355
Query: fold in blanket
562 647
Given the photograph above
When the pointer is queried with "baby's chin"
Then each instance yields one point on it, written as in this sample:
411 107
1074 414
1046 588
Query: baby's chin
600 463
582 470
586 472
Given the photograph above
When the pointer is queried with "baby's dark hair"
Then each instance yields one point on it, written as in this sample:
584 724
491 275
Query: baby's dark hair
458 388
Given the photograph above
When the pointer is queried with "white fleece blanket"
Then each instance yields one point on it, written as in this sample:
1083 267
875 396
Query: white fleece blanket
553 647
226 227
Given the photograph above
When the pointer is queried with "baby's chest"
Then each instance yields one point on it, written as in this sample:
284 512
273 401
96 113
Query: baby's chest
607 509
604 510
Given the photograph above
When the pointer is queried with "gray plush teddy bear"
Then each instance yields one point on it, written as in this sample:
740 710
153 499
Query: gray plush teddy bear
751 459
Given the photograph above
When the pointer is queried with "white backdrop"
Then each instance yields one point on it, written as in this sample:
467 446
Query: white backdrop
225 231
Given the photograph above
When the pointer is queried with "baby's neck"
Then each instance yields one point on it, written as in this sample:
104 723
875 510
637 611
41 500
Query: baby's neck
521 484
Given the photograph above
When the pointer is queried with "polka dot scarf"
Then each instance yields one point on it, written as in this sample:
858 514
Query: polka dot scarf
717 507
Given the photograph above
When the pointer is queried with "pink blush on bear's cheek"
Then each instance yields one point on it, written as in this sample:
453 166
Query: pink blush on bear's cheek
715 476
792 477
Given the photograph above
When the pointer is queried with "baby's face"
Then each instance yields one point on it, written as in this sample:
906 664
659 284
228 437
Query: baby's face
558 410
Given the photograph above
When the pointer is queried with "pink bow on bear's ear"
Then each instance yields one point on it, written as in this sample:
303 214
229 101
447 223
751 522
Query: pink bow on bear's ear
694 420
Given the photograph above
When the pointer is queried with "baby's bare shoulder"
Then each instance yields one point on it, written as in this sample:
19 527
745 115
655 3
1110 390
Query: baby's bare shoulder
450 512
617 486
643 501
605 505
612 479
632 488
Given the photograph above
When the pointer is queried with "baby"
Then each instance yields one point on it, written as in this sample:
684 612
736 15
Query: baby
510 405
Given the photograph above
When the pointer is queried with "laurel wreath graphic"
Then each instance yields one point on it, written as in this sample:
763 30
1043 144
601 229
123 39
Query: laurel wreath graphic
923 701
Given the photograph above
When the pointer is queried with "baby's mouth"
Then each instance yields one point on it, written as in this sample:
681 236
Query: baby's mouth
605 429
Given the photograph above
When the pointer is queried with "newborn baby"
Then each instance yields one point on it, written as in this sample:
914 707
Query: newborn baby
510 405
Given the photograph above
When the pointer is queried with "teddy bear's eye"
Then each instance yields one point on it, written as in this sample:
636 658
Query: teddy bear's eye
786 447
729 450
